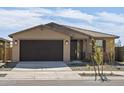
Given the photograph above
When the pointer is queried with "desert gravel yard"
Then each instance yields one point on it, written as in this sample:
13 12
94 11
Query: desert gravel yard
87 66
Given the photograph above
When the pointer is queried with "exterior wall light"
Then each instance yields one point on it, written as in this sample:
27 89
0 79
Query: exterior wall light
66 42
16 42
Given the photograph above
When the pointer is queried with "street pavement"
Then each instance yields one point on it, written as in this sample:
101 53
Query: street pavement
59 83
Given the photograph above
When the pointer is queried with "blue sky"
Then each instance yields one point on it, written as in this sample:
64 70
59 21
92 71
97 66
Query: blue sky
108 20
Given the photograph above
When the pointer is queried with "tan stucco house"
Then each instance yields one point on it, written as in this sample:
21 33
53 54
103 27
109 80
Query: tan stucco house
55 42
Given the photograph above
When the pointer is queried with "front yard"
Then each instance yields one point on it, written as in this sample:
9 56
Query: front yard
87 66
80 70
75 66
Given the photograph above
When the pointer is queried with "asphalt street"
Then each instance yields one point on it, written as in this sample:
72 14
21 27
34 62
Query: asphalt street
59 83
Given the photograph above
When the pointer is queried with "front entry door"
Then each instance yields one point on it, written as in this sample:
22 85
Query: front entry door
73 53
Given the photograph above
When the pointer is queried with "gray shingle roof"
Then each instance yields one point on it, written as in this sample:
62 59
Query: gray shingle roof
86 32
92 33
71 30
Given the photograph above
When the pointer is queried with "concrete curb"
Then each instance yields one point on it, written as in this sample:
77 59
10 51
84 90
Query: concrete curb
83 78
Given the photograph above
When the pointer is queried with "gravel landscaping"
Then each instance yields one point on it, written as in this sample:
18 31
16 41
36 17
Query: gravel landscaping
93 74
87 66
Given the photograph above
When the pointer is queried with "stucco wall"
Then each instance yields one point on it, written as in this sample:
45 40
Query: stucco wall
110 46
87 48
40 34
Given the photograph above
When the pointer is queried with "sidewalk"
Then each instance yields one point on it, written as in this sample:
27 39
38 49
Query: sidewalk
55 75
40 75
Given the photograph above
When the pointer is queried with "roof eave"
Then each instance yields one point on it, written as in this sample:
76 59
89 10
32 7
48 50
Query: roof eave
53 24
11 35
115 37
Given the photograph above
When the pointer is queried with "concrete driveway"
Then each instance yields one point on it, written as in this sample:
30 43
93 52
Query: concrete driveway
44 66
40 71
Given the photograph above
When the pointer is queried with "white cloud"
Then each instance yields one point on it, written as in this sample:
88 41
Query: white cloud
74 14
18 19
40 10
26 17
19 13
111 17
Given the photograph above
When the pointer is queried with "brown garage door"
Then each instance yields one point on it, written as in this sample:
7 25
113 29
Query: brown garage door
41 50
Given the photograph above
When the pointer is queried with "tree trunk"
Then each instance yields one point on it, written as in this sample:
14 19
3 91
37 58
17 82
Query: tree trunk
102 68
95 70
100 75
99 71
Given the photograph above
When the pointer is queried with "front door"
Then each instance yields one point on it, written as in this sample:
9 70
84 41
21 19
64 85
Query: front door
73 52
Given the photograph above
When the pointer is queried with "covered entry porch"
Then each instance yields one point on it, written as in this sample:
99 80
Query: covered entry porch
81 49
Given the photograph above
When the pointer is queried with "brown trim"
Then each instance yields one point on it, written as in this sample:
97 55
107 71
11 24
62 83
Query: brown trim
102 38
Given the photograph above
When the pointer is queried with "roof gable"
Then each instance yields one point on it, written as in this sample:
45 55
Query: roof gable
68 30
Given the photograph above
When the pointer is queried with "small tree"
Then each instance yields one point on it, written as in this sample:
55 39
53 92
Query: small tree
92 57
97 58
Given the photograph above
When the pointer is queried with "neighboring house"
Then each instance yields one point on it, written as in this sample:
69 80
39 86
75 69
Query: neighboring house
55 42
4 53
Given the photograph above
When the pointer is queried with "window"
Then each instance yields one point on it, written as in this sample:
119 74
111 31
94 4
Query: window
99 43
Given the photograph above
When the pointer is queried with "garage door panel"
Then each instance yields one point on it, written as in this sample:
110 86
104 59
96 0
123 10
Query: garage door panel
41 50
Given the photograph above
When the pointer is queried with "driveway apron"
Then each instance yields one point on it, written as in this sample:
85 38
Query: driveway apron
41 71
